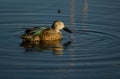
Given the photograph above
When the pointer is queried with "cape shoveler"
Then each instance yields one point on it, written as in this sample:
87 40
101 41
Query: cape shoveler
53 33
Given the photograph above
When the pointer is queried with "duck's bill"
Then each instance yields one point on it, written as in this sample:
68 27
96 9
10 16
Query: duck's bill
67 30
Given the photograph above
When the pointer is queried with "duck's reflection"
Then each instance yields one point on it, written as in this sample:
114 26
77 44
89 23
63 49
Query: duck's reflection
56 46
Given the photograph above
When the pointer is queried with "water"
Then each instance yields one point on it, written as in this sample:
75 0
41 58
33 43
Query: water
91 52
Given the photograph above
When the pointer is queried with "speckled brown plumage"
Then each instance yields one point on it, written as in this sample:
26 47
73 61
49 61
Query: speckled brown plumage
52 33
48 34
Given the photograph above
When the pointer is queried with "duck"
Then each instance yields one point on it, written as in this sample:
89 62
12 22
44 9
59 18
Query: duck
42 33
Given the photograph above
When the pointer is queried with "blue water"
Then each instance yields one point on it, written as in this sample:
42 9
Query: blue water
91 52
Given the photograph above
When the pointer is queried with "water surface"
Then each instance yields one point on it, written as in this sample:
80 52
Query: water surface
91 52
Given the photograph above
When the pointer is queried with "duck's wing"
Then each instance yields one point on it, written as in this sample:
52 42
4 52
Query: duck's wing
38 31
34 31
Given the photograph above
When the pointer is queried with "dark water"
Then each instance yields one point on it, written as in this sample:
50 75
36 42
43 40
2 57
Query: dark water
91 52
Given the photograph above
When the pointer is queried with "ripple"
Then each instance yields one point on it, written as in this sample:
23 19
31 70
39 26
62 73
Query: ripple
96 38
95 48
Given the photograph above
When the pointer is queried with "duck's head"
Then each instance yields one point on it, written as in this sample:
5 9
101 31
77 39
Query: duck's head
59 25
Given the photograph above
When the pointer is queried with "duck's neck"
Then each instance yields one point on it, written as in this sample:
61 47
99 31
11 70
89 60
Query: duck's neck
57 30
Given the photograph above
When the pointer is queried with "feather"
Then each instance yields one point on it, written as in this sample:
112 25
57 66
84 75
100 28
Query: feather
38 31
